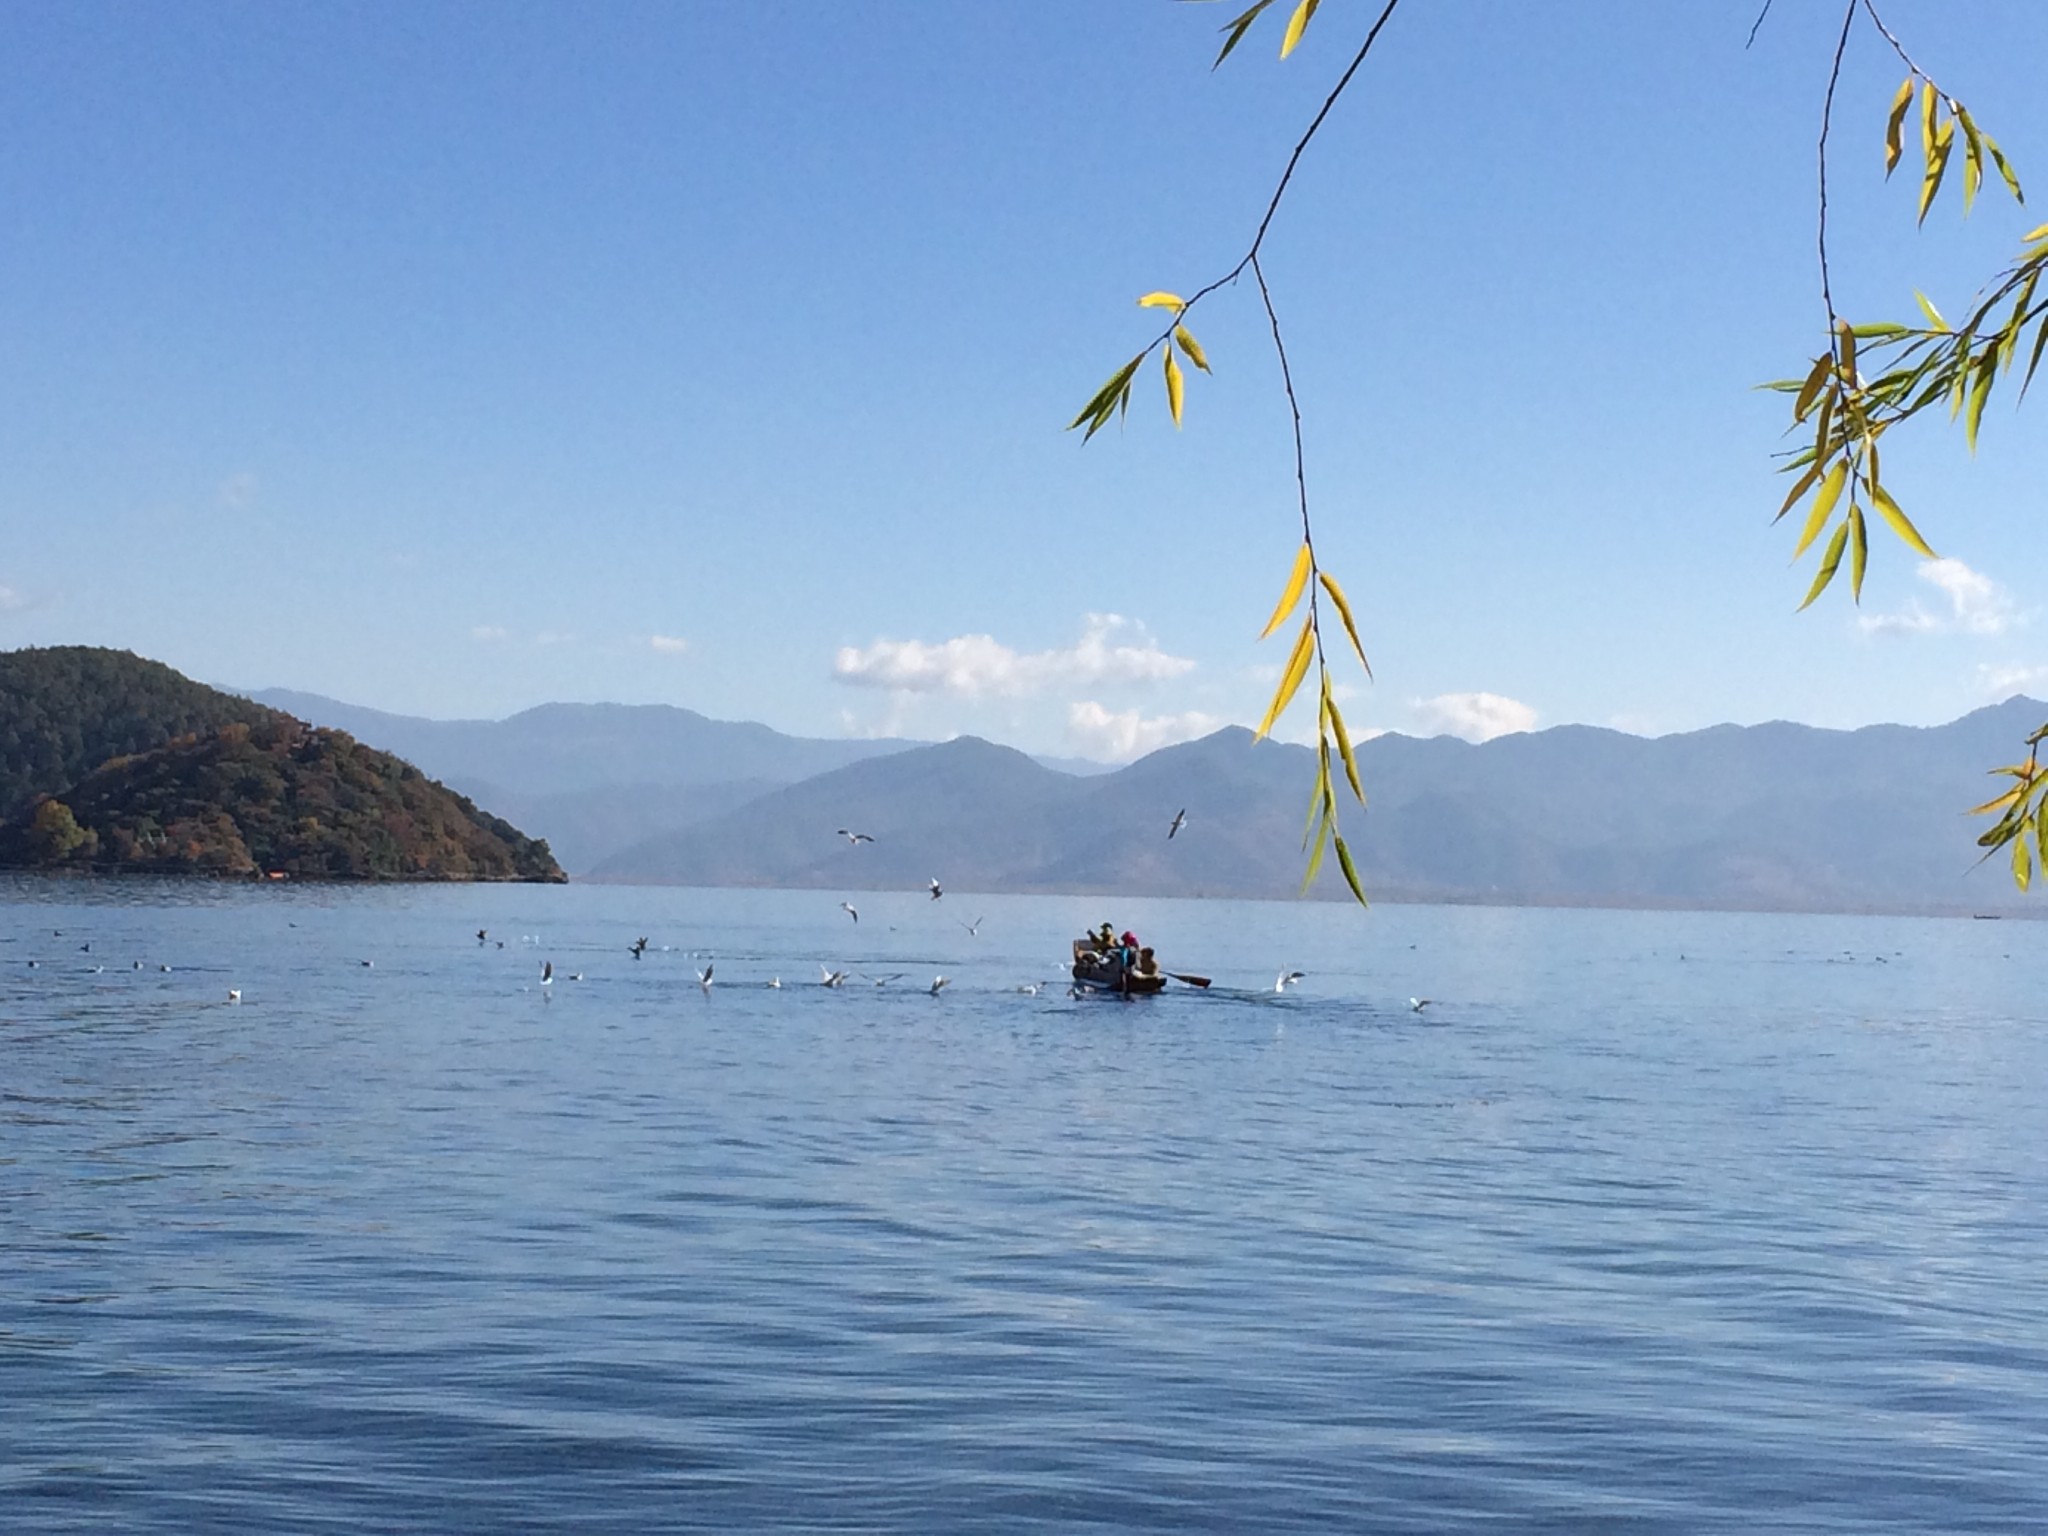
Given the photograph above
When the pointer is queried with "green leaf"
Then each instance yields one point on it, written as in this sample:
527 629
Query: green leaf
1859 552
1799 489
2012 181
1297 580
1980 392
1937 167
1297 24
1174 384
1829 561
1290 678
2040 342
1810 390
1344 745
1350 872
1344 612
1823 504
1973 161
1900 523
1237 29
1185 339
1895 124
1104 402
2022 863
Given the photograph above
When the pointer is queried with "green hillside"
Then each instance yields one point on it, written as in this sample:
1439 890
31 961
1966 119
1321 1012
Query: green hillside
239 790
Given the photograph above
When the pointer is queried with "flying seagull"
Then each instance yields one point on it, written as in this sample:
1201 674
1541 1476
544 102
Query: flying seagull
481 935
884 980
830 977
234 994
1180 819
1417 1004
848 909
855 838
937 890
704 976
1288 979
547 973
638 947
973 928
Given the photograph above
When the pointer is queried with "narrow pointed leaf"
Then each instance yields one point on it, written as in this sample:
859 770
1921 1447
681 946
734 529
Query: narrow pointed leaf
1899 523
1096 412
2012 181
1185 339
1829 561
2022 863
2001 802
1237 29
1162 300
1895 124
1973 161
1344 612
1297 580
1174 385
1811 388
1297 24
1799 488
1859 551
1937 167
1350 872
2033 362
1927 308
1344 750
1315 857
1927 119
1823 504
1290 678
1980 392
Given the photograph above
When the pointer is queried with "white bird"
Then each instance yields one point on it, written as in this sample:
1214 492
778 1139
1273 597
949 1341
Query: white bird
938 984
547 973
776 982
830 977
234 994
883 981
1033 989
973 928
164 968
1417 1004
1180 819
855 838
937 889
704 976
847 908
1288 979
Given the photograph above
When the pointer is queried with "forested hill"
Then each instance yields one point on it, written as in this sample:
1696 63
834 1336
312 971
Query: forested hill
179 779
66 709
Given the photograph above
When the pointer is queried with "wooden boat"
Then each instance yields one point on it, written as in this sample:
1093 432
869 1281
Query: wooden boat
1115 969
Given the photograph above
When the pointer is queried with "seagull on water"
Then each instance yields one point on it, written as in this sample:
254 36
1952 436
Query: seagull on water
234 994
1032 989
368 965
638 947
939 984
831 978
1287 979
1417 1004
704 976
547 973
855 838
481 935
937 889
973 928
775 982
883 981
848 908
1180 819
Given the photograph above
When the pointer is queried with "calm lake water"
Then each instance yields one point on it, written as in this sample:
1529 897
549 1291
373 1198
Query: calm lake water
1651 1222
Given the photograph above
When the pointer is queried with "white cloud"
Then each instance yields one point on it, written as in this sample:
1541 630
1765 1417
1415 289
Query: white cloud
2003 682
1119 735
490 634
1474 716
1112 649
668 645
1977 605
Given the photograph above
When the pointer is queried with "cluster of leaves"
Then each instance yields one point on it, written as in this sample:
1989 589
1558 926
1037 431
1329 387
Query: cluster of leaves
1875 376
1322 830
2022 813
64 710
1114 398
277 796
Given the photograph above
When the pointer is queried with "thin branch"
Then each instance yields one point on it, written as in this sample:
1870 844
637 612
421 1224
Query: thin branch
1827 112
1877 21
1293 406
1757 25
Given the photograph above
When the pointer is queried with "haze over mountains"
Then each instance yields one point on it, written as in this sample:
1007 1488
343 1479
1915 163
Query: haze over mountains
1776 816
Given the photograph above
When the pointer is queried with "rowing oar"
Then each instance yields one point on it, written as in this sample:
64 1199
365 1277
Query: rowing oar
1193 981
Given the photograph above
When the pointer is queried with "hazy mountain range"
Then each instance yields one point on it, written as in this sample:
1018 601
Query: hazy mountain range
1775 816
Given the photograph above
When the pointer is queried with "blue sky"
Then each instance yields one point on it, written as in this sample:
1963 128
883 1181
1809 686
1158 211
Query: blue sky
452 359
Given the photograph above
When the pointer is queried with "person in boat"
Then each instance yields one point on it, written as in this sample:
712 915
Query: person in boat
1129 943
1147 966
1105 940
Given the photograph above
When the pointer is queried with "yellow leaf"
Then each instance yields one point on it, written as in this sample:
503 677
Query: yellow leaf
1173 384
1937 166
1163 300
1186 340
1344 747
1344 612
1895 123
1933 315
1296 580
1828 563
1296 25
2022 863
1823 504
1999 804
1859 551
1350 872
1927 119
1900 523
1290 679
1799 488
1811 387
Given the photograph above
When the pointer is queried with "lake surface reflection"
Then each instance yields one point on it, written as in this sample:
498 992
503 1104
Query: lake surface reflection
1650 1222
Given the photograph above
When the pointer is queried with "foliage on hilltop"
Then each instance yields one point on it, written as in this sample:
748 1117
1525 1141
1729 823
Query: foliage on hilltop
113 763
278 796
64 710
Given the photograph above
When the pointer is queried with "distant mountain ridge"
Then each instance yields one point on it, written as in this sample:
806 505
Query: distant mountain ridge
1771 817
